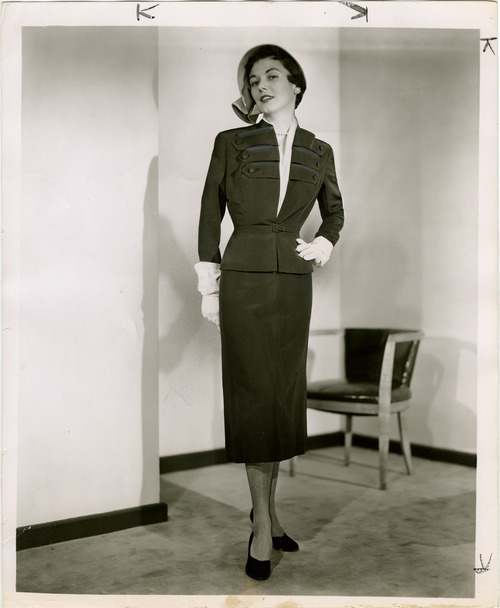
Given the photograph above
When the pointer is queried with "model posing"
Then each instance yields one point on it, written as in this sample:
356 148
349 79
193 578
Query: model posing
269 176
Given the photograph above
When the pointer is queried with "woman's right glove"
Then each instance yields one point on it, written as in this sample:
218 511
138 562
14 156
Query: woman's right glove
208 285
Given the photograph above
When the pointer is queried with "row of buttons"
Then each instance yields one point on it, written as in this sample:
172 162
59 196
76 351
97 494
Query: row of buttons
253 170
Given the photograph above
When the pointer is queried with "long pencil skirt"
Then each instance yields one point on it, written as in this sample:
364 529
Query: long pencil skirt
265 319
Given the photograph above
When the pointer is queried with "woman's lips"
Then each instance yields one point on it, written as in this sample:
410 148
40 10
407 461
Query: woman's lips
265 98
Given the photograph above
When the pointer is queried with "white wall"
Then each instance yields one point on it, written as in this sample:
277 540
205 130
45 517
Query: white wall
401 114
409 113
196 87
88 358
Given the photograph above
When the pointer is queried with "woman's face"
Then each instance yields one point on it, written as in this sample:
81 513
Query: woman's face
270 87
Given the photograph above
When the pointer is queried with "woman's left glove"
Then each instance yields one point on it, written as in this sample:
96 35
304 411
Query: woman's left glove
208 285
319 250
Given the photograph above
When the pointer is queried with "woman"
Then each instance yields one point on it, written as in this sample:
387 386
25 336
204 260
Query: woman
268 176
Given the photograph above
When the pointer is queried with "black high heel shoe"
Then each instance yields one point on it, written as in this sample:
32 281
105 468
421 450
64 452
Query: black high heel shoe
281 543
259 570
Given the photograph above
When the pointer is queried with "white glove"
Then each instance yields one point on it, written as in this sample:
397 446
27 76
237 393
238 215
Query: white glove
319 250
208 285
210 309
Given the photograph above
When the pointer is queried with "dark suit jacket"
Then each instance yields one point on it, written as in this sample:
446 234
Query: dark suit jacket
243 177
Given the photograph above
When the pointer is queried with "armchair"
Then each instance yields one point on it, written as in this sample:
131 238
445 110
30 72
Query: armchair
379 365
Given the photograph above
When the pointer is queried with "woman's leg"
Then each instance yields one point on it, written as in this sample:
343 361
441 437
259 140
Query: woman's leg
260 479
276 528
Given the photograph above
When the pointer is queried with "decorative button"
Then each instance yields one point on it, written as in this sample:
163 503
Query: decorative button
315 178
238 140
317 164
321 147
245 155
251 170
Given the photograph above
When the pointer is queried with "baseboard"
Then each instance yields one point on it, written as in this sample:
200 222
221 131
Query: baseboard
420 451
326 440
38 535
196 460
52 532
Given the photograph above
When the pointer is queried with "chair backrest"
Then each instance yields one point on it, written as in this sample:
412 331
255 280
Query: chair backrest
364 352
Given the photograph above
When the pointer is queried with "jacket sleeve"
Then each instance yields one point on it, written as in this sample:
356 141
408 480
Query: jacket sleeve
213 205
330 203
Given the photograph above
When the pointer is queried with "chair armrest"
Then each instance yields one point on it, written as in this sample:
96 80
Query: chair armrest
405 336
385 385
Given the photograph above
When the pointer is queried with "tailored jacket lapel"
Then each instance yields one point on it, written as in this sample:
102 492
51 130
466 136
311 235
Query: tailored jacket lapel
261 134
259 145
256 152
305 170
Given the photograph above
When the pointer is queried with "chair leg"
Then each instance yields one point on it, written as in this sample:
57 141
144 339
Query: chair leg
383 447
347 439
291 469
405 443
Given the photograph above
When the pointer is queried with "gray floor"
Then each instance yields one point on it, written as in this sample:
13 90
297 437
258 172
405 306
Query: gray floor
416 539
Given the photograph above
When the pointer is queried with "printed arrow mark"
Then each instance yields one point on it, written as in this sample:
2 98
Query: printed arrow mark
363 12
143 12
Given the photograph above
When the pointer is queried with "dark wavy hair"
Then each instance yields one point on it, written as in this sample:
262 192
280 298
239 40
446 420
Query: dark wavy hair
271 51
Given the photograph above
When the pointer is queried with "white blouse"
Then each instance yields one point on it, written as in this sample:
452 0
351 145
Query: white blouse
285 144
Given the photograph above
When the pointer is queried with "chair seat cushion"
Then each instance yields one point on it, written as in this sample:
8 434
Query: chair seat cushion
360 392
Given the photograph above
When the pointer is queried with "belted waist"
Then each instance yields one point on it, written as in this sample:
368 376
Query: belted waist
266 247
267 227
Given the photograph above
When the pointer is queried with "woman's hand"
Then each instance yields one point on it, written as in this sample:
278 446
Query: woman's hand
319 250
208 285
210 309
